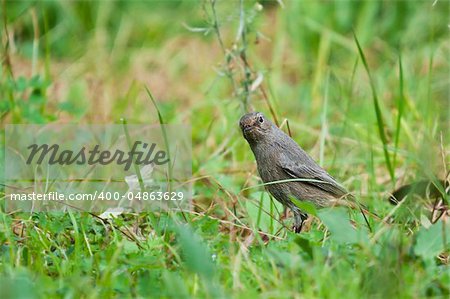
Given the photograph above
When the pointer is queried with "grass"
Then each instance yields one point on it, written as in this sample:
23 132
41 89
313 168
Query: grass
363 87
376 104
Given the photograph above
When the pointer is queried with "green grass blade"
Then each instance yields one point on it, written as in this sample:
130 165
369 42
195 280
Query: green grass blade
378 113
324 130
166 140
400 107
135 166
260 208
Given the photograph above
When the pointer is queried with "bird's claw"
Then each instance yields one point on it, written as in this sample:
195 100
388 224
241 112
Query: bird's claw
297 227
299 219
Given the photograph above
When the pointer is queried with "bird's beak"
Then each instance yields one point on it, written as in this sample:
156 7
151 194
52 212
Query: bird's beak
247 128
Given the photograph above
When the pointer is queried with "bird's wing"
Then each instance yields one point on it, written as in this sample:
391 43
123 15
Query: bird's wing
320 178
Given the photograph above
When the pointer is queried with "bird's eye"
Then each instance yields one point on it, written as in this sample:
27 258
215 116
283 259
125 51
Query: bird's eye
261 119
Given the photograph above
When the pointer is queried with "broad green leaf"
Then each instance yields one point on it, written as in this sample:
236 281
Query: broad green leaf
305 245
430 242
338 223
195 253
305 206
130 246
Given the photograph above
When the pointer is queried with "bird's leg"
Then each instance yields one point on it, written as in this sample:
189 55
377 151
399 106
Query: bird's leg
299 218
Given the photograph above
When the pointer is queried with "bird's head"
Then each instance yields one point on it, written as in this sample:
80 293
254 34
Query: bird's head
255 126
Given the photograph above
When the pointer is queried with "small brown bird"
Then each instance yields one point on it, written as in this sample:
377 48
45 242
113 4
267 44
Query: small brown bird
280 158
423 189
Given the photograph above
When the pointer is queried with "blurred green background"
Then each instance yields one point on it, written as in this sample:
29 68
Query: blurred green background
207 63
